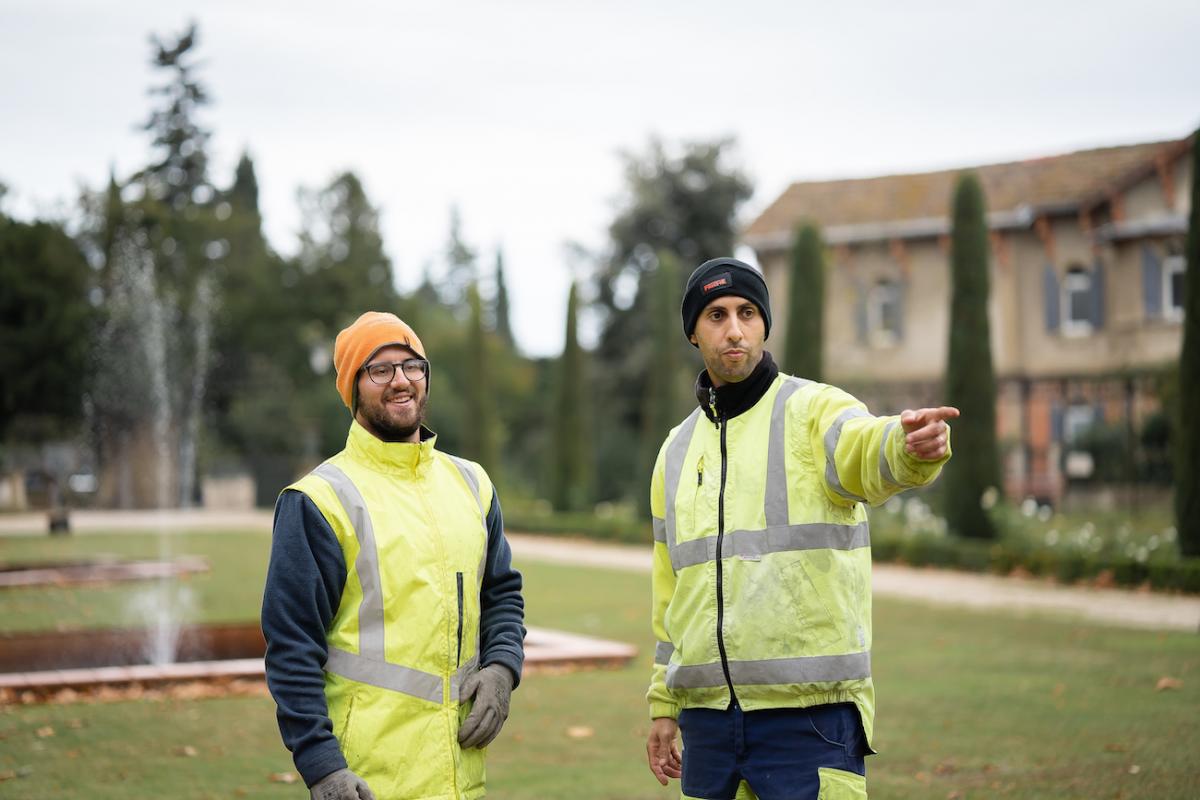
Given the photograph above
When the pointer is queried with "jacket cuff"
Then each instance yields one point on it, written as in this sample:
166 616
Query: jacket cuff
318 761
913 471
660 709
512 662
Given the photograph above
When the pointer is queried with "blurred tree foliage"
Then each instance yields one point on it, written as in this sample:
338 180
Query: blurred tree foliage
679 204
212 352
45 320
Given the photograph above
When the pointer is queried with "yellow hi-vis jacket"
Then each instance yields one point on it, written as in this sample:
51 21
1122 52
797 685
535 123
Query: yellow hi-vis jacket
762 559
410 522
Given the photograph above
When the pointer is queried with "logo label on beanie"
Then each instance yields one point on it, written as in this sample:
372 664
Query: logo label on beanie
720 282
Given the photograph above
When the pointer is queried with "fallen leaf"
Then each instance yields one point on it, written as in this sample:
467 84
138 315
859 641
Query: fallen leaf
580 732
1167 682
45 732
7 775
75 723
1059 689
187 750
1134 769
945 768
954 794
282 777
1114 748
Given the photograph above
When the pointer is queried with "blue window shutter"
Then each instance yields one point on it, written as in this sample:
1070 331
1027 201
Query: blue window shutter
1056 423
1152 298
1050 283
1098 295
860 312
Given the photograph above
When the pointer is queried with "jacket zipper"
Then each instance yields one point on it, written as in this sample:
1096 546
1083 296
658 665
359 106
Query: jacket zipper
458 657
720 564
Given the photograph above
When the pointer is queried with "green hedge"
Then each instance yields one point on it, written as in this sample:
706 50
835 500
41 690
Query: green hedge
925 550
1065 566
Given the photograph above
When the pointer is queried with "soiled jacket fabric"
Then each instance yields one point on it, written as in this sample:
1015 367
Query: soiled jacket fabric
390 581
762 558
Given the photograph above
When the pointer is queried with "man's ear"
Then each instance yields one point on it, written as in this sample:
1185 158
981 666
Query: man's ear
692 339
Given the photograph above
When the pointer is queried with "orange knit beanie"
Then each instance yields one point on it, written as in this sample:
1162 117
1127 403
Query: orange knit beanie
355 344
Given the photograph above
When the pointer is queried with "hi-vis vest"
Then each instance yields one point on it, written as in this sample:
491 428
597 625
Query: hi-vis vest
762 558
412 525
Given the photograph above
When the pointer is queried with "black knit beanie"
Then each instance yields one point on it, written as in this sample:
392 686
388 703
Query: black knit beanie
719 277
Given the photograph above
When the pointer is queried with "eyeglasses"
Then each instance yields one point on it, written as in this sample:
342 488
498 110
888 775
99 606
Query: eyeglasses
384 372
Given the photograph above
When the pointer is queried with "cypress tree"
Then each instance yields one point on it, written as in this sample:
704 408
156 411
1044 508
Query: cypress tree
806 304
661 394
970 380
503 325
571 480
481 412
1187 447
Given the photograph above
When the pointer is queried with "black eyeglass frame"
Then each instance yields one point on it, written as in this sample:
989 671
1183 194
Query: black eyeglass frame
406 366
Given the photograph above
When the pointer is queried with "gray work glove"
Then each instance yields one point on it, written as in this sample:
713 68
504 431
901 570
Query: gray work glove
342 785
491 687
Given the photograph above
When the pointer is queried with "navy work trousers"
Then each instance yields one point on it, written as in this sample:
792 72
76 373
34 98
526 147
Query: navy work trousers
778 751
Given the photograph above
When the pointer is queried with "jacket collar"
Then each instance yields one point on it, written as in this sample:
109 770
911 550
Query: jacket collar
735 398
390 457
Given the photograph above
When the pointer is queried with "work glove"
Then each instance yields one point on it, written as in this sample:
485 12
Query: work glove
342 785
491 687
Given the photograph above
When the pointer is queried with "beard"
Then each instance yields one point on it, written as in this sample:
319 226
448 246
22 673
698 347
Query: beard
390 427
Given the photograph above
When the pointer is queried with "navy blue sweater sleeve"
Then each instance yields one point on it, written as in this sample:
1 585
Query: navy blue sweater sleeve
305 578
502 608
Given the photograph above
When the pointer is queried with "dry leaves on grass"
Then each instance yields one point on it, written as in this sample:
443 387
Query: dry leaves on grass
283 777
187 751
45 733
580 732
1167 682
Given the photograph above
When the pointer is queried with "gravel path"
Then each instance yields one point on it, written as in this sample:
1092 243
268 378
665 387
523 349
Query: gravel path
1024 596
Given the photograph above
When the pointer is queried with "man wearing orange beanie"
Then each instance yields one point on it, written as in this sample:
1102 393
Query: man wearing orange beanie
392 613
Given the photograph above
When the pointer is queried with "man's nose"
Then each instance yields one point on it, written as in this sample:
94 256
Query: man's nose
734 334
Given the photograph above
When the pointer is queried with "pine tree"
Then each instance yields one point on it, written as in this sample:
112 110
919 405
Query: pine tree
806 305
970 380
1187 447
182 168
571 480
503 323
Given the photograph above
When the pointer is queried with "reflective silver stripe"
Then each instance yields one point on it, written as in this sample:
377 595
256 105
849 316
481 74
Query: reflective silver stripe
777 485
660 529
885 469
831 441
366 564
662 652
472 481
384 675
676 452
773 671
460 675
783 539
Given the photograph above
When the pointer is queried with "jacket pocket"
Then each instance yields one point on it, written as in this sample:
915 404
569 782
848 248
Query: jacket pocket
838 784
458 652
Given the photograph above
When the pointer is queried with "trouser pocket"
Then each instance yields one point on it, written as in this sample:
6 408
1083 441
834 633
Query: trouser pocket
837 784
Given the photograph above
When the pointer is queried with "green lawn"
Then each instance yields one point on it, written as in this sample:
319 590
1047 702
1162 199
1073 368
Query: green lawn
971 705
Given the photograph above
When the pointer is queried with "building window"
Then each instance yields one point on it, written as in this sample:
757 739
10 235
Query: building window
1077 302
884 310
1173 269
1076 420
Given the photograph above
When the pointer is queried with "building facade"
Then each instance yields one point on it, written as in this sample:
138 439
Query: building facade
1086 299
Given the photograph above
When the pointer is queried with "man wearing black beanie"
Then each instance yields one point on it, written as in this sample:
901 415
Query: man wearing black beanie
762 561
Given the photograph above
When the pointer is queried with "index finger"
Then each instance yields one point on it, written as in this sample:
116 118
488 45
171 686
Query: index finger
943 412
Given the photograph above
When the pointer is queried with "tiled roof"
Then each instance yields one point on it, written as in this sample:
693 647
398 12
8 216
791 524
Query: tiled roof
1060 182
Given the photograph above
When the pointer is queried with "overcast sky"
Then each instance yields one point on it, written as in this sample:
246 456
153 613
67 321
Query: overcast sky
517 111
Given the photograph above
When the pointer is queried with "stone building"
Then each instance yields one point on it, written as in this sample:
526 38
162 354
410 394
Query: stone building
1086 297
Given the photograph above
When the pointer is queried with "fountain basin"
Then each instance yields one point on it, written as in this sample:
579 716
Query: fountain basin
41 665
77 573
